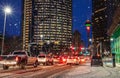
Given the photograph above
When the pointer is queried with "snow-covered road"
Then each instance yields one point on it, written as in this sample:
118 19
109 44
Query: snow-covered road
86 71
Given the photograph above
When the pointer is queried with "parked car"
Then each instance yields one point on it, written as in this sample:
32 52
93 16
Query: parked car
18 58
96 60
45 59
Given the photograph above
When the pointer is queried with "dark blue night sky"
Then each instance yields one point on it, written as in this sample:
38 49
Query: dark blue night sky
81 12
13 24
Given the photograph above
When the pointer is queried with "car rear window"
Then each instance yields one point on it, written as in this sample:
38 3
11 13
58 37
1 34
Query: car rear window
41 56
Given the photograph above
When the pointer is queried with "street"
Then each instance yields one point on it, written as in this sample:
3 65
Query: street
86 71
60 39
63 71
30 72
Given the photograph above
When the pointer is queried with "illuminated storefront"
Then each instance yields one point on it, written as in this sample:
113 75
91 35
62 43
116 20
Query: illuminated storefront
115 43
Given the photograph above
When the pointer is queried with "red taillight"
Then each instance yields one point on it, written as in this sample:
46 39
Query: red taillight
17 58
64 59
77 58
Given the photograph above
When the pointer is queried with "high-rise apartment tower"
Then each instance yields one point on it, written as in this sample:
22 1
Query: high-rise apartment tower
47 21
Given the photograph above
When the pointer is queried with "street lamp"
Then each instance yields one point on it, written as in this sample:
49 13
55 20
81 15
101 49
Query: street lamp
113 53
7 10
90 40
48 45
111 39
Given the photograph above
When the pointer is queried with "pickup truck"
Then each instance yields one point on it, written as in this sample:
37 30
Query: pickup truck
18 58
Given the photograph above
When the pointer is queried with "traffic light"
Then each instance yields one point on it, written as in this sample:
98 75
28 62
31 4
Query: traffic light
82 48
81 53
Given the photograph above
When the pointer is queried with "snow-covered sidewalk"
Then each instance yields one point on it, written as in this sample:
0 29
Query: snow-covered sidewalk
86 71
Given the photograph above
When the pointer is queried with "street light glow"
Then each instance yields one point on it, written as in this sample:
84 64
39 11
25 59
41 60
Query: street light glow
41 36
90 40
48 42
111 39
7 10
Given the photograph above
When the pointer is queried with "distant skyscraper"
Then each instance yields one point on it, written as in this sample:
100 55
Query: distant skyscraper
47 21
76 41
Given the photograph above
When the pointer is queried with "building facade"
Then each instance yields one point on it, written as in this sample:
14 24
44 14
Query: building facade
114 32
47 21
99 24
114 28
76 41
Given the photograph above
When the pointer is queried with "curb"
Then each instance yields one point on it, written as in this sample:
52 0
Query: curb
117 65
110 64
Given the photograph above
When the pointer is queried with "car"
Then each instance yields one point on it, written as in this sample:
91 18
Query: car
45 59
63 59
56 59
96 60
72 60
82 60
19 58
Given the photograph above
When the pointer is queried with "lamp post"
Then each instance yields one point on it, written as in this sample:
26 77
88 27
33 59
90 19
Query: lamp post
48 45
113 53
7 10
41 36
